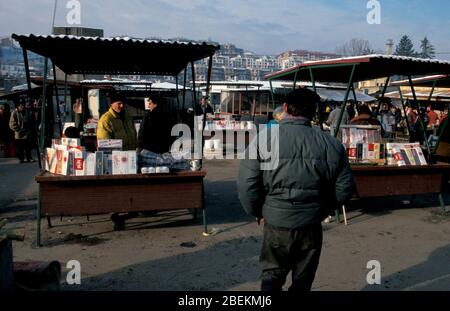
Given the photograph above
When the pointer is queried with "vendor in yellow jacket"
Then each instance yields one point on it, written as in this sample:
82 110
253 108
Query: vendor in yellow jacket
116 124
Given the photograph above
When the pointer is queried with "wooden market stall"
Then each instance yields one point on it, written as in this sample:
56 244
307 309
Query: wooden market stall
87 195
379 180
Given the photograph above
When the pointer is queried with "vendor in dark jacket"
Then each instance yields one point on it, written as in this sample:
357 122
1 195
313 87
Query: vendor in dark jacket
154 132
312 178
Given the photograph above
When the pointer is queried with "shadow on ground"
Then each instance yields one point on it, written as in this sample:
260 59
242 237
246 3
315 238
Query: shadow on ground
221 266
431 275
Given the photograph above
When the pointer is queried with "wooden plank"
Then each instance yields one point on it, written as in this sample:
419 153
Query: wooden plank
100 197
377 181
47 177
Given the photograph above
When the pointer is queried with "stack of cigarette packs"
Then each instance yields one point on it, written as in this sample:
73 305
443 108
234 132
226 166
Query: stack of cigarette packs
107 146
363 143
67 157
405 154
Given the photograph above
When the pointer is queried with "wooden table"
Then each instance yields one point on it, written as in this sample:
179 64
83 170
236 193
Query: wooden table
91 195
378 181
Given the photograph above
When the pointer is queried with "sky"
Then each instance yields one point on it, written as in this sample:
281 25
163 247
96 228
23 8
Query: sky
260 26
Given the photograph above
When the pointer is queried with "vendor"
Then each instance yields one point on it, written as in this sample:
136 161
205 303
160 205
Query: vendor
154 132
116 124
205 107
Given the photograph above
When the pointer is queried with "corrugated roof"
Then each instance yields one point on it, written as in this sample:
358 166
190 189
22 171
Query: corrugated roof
119 55
115 39
441 81
367 67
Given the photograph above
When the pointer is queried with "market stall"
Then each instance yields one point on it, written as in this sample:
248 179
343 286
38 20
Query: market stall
379 169
86 195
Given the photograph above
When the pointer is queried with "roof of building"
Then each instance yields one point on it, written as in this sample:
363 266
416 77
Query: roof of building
120 55
367 67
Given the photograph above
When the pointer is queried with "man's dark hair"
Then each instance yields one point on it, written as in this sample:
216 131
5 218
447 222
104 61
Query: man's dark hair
115 96
302 102
364 109
72 132
155 98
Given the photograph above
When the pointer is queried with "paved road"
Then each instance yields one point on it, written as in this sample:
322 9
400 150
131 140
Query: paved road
169 252
17 181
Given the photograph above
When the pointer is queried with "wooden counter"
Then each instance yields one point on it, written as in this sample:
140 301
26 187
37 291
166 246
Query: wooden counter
376 181
90 195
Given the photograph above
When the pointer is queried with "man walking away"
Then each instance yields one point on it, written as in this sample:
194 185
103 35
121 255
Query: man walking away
312 179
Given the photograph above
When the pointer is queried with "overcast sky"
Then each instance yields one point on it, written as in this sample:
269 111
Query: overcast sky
264 27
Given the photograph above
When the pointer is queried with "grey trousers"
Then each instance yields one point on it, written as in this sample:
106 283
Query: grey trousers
284 250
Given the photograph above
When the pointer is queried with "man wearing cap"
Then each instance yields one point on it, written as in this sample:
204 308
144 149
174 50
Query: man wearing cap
116 124
312 178
21 123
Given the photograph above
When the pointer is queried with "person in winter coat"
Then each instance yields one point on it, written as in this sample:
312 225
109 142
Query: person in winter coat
312 178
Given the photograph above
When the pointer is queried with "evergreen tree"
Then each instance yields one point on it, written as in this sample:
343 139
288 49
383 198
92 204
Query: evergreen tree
405 47
427 49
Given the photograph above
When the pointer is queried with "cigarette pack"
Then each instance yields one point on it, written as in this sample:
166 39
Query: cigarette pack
109 144
71 142
79 162
50 160
124 162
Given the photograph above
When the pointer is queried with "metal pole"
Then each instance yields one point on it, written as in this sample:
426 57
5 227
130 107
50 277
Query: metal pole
404 109
65 96
58 111
184 86
432 91
54 16
419 117
295 79
347 93
43 109
178 99
318 105
27 72
42 145
254 103
194 97
382 93
273 97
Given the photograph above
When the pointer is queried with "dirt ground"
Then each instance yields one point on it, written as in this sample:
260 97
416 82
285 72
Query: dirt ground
168 251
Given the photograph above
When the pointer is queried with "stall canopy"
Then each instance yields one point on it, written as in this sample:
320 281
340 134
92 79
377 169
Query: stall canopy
120 55
333 94
367 67
360 68
427 81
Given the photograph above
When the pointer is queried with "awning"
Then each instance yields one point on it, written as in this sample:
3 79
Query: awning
437 96
95 55
366 68
338 95
441 81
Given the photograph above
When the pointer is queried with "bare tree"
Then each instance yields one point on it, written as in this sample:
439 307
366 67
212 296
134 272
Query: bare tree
355 47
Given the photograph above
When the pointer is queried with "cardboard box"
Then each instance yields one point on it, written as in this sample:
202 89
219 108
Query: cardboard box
109 144
71 142
94 163
50 160
79 162
124 162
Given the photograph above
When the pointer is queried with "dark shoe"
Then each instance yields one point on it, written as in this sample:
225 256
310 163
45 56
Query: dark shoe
22 161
